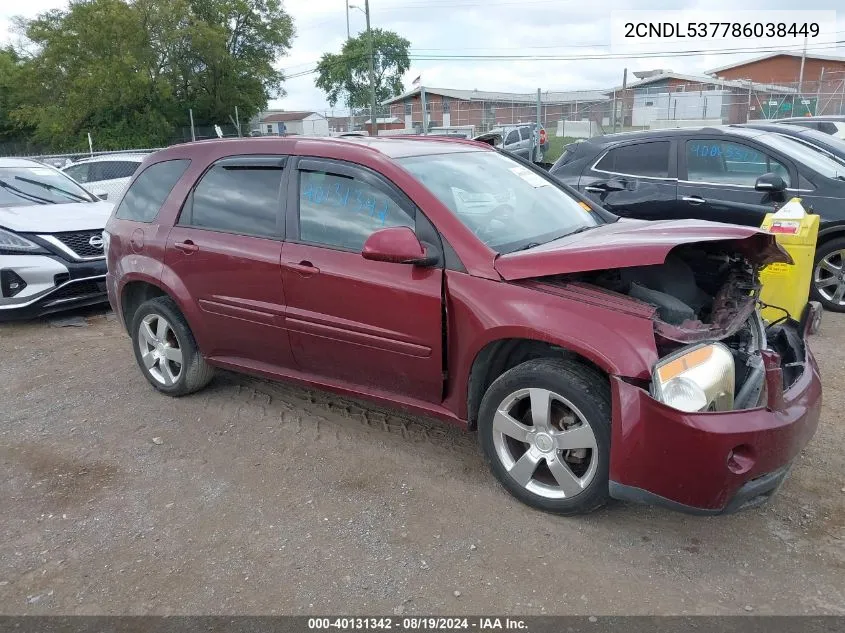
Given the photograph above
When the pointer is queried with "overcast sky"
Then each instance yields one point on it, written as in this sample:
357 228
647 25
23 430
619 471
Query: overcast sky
484 27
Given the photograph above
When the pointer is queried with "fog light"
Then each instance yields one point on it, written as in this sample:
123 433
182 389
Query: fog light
10 283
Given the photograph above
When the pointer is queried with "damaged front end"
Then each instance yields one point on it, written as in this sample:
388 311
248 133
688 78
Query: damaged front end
716 352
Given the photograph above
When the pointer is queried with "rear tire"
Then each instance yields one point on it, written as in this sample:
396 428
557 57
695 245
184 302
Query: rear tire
544 428
165 349
828 280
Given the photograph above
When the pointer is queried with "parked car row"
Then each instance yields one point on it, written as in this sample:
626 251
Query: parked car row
734 174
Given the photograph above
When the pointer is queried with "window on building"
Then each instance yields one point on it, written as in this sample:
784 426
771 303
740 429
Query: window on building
446 105
409 107
269 128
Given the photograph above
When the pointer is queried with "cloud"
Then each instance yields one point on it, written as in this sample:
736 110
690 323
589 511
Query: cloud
483 27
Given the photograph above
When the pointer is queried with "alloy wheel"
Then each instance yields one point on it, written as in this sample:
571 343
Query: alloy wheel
161 352
545 443
829 277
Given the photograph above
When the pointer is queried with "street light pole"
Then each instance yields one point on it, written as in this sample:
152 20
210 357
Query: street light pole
350 123
372 72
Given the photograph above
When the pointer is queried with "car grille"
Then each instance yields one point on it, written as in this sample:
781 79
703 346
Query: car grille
79 242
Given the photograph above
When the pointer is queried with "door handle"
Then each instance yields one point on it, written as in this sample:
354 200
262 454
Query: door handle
694 199
304 268
186 247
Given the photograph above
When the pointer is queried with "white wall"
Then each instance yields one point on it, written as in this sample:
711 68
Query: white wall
314 125
577 129
705 104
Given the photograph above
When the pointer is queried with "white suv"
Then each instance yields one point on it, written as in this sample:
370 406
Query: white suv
106 176
51 241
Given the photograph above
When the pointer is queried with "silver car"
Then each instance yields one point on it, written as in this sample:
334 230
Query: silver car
105 176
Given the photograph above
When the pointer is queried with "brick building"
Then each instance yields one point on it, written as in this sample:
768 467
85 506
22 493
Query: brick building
785 68
484 110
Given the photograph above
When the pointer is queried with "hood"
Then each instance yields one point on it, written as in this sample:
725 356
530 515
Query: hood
56 218
629 243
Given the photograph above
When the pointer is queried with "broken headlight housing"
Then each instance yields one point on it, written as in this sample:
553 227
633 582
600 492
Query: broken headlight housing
696 378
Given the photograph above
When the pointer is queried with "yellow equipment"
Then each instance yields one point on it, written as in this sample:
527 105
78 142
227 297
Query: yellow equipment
787 286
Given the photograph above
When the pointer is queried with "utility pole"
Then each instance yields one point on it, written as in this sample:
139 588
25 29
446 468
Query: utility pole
350 124
424 110
191 115
800 77
624 92
372 71
237 121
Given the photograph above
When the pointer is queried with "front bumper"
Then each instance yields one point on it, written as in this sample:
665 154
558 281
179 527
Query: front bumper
710 463
52 285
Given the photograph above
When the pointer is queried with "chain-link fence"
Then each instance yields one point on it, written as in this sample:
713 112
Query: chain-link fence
665 101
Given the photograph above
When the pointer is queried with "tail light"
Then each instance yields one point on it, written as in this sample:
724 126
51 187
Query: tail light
542 136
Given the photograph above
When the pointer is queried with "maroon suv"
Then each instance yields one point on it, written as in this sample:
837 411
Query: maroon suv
596 357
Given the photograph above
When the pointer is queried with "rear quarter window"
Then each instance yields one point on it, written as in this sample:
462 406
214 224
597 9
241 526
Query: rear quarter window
147 194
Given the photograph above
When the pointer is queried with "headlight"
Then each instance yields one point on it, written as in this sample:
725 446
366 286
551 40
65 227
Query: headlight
13 243
697 378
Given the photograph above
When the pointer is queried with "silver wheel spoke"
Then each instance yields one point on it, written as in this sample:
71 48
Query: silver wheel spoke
149 359
173 354
166 374
523 470
824 283
828 265
147 333
505 424
839 294
565 478
577 437
541 404
161 329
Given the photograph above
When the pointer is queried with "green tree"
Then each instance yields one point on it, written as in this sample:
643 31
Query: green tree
345 76
10 72
129 71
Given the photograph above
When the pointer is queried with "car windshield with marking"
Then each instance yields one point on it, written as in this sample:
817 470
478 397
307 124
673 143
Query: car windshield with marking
506 204
25 186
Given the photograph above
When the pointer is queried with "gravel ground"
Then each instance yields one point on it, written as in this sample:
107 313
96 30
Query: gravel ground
255 497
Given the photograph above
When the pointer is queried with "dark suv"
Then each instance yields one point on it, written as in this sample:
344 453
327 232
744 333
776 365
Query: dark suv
595 357
725 174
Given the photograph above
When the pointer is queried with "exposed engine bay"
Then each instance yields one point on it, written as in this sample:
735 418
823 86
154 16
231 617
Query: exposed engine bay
705 297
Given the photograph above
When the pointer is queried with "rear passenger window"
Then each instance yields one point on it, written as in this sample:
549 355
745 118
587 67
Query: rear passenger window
237 198
111 169
145 196
525 133
342 212
642 159
512 137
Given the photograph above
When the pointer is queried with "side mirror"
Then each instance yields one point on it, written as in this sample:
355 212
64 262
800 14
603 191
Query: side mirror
102 195
770 182
398 245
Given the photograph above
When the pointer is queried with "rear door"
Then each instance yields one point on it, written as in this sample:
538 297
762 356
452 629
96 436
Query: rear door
375 325
513 143
225 249
718 176
635 180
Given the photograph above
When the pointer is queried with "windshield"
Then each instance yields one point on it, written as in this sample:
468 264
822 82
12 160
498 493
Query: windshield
799 152
23 186
507 205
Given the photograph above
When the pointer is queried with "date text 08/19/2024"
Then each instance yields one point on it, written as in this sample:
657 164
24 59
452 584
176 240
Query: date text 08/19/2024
419 623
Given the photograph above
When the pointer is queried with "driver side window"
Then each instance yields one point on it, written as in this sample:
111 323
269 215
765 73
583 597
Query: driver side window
724 162
340 211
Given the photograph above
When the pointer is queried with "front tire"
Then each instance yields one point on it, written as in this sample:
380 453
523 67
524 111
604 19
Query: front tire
165 349
544 428
828 283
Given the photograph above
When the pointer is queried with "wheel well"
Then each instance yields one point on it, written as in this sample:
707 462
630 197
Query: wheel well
499 356
839 231
134 294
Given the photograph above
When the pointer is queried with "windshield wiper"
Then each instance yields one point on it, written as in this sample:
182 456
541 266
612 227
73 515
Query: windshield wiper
50 187
23 194
556 237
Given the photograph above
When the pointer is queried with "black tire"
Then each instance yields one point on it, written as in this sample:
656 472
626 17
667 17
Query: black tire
583 387
194 372
824 250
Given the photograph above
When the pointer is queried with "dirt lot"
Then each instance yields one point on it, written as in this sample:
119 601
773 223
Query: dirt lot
254 497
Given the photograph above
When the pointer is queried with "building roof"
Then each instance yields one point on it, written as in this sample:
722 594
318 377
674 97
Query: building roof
515 97
753 60
282 117
707 79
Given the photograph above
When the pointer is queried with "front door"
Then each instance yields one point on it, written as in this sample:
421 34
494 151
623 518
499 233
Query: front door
225 249
375 325
717 180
